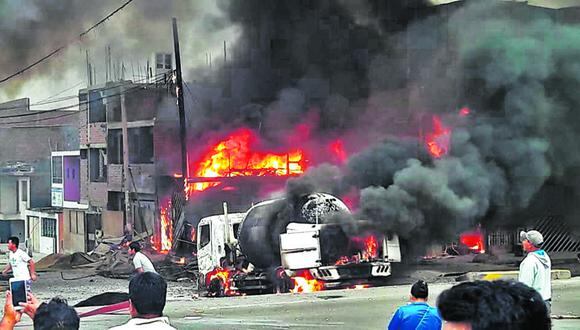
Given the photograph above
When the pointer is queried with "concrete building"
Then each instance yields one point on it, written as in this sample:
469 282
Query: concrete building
65 195
28 136
94 202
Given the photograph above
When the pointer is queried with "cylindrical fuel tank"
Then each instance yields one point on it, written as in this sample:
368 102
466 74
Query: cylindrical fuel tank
259 232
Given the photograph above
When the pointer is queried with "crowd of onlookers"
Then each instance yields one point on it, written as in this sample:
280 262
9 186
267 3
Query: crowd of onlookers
479 305
486 305
147 296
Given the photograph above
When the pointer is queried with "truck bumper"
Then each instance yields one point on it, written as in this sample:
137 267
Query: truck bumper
252 283
360 271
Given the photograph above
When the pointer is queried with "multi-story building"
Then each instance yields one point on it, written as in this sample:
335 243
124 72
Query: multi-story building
28 136
106 185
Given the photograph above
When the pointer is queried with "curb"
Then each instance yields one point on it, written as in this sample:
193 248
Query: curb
557 274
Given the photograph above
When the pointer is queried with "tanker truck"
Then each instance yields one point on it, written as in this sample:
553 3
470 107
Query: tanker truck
264 249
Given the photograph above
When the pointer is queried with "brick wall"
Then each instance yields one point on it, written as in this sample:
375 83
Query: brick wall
115 177
83 129
143 176
84 180
97 133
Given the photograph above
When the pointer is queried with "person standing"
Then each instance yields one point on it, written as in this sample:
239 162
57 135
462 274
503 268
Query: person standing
19 262
140 261
147 298
417 314
536 268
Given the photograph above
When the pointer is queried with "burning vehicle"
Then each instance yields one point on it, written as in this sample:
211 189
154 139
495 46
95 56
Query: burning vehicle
276 248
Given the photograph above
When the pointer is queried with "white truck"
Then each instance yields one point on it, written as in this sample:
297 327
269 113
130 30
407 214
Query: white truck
253 252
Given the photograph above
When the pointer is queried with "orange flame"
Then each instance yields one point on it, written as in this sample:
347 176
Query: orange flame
371 247
438 141
473 240
193 234
235 156
224 276
367 249
162 243
337 149
304 282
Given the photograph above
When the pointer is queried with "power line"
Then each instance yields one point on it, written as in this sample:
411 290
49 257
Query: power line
42 119
64 98
64 46
128 91
57 94
69 97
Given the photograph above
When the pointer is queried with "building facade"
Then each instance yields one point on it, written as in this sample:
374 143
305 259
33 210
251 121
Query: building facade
104 185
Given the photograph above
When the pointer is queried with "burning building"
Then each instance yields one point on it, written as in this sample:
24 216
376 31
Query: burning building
426 117
424 131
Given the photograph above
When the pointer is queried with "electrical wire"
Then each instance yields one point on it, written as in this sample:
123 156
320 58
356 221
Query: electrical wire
64 98
128 91
57 94
68 107
54 52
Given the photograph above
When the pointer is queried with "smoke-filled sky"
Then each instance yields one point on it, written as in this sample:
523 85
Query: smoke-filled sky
31 29
512 160
366 72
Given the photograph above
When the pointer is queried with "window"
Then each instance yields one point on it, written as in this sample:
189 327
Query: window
48 227
96 107
141 145
98 165
114 107
24 191
57 169
204 235
115 201
168 61
159 61
115 146
236 230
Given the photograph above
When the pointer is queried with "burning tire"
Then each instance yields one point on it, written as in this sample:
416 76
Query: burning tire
216 288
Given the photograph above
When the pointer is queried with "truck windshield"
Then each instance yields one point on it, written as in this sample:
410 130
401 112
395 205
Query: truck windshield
236 230
204 235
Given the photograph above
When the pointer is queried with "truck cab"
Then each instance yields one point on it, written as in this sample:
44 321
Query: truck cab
214 239
300 249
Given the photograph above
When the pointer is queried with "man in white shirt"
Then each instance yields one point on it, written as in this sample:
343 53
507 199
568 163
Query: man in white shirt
536 268
147 296
140 261
21 263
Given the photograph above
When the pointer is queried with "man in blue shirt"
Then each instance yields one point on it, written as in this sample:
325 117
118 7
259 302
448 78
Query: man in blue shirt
417 314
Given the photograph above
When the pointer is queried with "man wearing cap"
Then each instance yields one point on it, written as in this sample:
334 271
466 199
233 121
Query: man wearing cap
536 268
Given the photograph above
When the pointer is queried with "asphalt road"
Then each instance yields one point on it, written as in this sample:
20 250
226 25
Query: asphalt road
338 309
342 309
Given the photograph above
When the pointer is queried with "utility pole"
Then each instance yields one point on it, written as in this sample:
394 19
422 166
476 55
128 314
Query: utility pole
178 219
180 105
126 174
